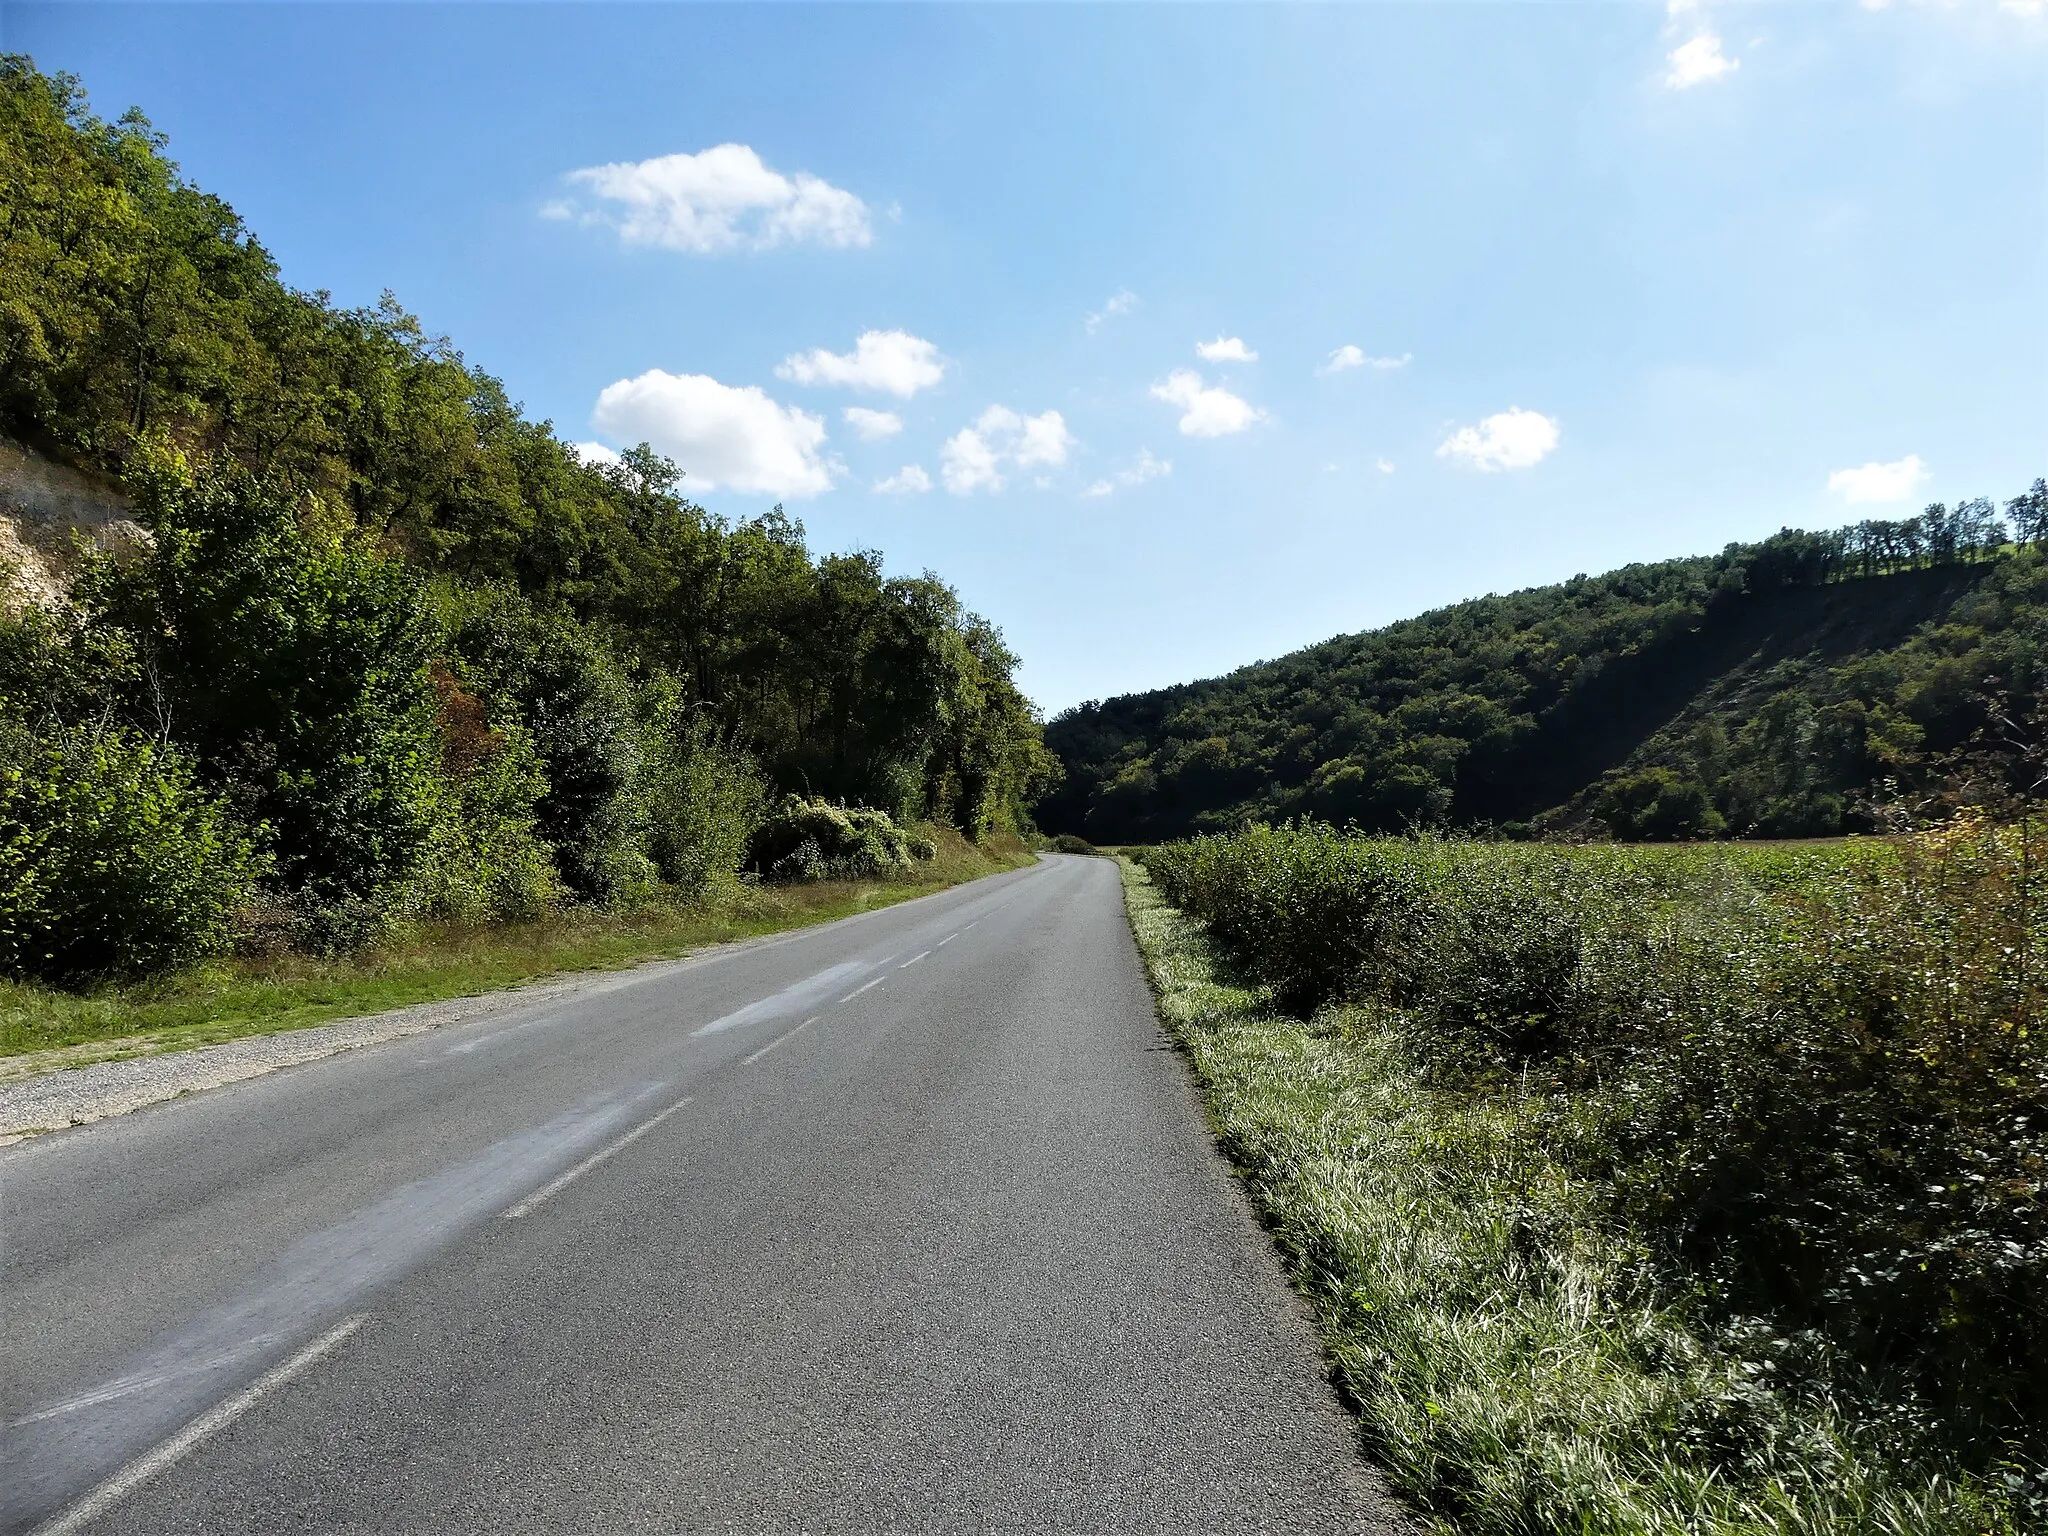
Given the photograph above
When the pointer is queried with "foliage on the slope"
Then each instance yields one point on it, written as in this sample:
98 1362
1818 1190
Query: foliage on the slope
433 663
1759 692
1814 1078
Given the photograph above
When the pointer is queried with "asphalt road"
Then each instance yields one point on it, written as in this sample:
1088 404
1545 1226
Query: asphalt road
910 1222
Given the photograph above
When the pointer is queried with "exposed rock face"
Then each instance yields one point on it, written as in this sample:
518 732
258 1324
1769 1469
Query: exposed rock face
45 507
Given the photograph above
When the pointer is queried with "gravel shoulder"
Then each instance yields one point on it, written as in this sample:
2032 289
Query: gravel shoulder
52 1091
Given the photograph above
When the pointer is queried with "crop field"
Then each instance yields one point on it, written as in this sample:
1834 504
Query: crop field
1646 1189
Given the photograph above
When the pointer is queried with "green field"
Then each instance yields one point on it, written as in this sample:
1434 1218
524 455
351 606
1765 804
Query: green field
1644 1190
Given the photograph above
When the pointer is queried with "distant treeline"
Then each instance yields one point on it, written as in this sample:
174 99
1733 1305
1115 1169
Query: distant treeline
392 647
1761 691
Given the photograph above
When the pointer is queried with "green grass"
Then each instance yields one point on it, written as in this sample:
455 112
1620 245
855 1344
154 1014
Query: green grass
1517 1362
230 999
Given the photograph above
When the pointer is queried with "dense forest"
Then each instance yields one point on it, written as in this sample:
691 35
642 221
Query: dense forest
1767 691
386 647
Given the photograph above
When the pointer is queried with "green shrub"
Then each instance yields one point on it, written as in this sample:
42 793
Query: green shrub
113 862
1657 805
1066 842
704 798
813 840
1815 1078
486 859
291 662
574 699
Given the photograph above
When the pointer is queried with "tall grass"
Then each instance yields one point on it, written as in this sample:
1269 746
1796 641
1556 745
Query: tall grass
1686 1190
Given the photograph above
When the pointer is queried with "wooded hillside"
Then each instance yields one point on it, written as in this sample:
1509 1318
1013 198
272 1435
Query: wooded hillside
1758 692
389 646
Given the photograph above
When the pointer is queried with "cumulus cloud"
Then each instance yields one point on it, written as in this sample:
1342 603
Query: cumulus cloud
1144 467
725 437
910 480
722 199
973 459
595 454
1510 439
1384 466
891 362
1896 481
1345 358
1206 410
1697 61
1122 302
1225 349
873 426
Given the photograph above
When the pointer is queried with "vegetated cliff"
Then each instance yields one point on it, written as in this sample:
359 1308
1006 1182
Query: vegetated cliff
1758 692
388 650
47 510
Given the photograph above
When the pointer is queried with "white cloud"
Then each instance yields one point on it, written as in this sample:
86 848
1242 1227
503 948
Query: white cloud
893 362
1697 61
1384 466
1144 467
909 480
1122 302
873 426
1225 349
723 199
724 437
1895 481
1347 357
595 454
1206 411
1510 439
973 458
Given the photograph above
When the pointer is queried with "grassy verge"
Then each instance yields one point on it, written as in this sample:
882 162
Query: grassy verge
229 999
1517 1363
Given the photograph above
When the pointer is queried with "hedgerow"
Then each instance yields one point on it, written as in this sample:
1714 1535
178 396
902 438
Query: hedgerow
1810 1081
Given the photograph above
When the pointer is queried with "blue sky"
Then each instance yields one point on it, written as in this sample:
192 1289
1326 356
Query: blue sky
1618 281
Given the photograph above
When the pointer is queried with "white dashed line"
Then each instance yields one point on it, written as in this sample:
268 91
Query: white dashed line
554 1186
748 1061
215 1419
856 992
906 965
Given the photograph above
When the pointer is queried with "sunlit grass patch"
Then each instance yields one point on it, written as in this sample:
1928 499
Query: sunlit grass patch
1521 1363
228 999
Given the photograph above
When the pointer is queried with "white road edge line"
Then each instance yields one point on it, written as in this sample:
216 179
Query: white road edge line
748 1061
906 965
215 1419
562 1181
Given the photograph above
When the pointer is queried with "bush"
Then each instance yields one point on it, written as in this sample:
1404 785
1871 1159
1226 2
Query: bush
113 862
1066 842
704 798
813 840
291 662
486 859
1815 1078
575 701
1657 805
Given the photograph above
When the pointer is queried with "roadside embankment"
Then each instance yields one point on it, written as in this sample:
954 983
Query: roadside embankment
1536 1336
67 1058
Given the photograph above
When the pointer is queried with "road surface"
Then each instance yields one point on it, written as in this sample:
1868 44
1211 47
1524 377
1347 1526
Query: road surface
908 1222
